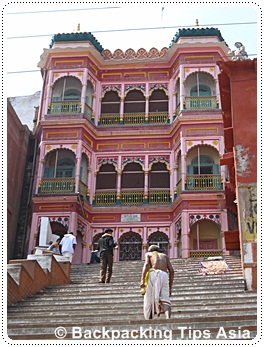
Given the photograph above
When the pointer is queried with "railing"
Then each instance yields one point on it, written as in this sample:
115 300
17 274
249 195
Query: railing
177 111
201 103
57 186
65 107
110 119
83 190
134 118
105 198
88 112
159 197
178 189
205 253
132 198
158 117
203 182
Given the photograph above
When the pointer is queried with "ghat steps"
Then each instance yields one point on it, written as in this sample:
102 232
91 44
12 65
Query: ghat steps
203 307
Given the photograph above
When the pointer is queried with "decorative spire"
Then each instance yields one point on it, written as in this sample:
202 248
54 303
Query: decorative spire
78 27
197 22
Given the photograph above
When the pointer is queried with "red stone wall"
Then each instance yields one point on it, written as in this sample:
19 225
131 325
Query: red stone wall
17 146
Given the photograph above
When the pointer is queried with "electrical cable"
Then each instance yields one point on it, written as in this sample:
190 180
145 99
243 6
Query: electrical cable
138 29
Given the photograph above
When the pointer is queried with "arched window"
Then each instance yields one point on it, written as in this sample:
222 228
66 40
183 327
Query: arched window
134 102
67 89
106 177
203 165
159 176
158 101
59 164
84 169
132 176
110 103
200 90
89 94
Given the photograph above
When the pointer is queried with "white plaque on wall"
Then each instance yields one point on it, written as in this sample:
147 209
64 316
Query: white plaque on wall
130 217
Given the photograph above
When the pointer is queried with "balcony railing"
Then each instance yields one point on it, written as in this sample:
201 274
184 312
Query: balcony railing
105 198
158 117
178 189
134 118
132 197
57 186
83 190
65 107
159 197
110 119
201 103
203 182
88 112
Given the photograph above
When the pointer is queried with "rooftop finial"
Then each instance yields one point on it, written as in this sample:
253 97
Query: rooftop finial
197 22
78 27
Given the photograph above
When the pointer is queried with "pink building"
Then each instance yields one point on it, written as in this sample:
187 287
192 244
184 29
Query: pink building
132 141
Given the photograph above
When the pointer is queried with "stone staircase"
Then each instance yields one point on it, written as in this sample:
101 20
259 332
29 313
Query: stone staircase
203 307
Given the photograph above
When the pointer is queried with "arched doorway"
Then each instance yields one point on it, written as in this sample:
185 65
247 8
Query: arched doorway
161 240
58 229
95 241
130 247
205 238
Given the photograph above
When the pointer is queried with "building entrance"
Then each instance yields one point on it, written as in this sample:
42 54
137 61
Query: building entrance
130 247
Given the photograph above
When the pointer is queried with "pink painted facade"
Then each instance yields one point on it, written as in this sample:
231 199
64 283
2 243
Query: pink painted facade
133 141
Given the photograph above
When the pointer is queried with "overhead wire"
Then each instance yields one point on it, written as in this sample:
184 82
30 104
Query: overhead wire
64 10
117 30
138 29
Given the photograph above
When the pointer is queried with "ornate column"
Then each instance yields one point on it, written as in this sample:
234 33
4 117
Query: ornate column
146 176
121 111
182 87
185 235
183 163
119 176
78 166
147 109
84 87
145 242
47 94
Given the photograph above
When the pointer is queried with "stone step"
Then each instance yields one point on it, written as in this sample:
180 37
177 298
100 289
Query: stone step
73 320
198 303
174 328
130 287
29 306
135 313
136 299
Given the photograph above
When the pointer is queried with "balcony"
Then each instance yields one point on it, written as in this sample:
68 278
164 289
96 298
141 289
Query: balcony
57 186
132 197
105 198
203 182
195 103
110 119
65 107
159 197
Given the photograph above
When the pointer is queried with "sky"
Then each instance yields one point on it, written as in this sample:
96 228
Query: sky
28 28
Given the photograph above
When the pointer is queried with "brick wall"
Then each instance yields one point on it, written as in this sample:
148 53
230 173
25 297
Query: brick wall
26 277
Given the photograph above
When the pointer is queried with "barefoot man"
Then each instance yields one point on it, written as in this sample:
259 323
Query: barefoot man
156 282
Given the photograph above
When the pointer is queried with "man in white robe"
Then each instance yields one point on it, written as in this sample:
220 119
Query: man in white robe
156 282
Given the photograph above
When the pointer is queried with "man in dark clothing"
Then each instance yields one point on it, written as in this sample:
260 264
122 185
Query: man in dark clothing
106 244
